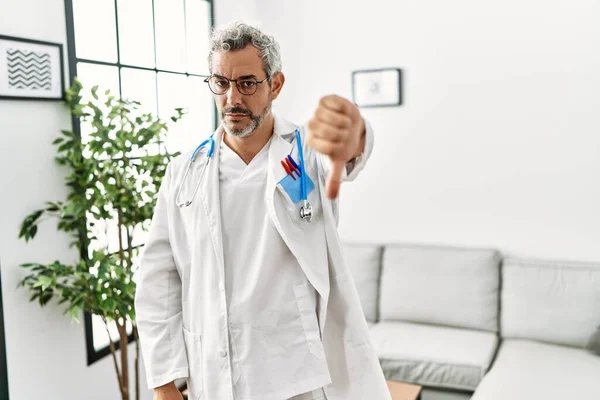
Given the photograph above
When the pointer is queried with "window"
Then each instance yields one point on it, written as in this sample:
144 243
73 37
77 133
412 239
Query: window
151 51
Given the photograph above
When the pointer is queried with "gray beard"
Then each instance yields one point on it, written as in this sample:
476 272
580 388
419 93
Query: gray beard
255 122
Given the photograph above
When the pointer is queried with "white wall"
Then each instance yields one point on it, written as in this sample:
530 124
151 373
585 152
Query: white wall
45 353
498 143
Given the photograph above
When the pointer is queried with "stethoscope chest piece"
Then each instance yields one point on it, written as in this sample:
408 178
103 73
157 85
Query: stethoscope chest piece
306 211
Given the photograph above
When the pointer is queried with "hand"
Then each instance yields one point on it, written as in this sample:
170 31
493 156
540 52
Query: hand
336 130
167 392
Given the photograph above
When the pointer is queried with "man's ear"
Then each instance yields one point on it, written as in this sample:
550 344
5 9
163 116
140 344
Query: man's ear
276 84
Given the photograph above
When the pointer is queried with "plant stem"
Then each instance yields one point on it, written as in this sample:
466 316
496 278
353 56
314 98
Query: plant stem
120 229
129 232
124 357
113 351
137 362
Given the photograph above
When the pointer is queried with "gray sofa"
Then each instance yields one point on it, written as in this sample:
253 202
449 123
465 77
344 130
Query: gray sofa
468 323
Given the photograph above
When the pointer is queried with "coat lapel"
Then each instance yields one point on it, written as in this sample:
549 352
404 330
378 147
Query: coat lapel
209 192
302 238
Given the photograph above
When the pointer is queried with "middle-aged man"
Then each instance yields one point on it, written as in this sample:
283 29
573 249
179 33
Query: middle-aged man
242 290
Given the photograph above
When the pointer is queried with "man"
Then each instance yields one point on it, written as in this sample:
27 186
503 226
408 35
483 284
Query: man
237 291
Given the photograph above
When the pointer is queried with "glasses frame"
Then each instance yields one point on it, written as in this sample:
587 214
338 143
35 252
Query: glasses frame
237 85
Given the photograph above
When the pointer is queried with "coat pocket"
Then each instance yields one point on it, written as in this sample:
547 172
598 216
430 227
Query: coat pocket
293 203
306 300
193 345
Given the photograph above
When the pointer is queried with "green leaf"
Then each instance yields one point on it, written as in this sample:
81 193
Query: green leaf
44 281
74 314
45 297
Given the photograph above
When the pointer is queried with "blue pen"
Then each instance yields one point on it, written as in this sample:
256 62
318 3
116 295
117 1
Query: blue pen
295 165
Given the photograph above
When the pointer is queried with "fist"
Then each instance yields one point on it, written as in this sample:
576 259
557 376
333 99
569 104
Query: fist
167 392
336 129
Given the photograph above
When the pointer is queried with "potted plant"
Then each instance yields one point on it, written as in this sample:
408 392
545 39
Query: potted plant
114 178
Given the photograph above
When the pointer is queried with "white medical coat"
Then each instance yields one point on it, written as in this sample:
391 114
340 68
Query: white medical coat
180 299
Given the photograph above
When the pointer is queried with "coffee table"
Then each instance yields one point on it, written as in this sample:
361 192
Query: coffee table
404 391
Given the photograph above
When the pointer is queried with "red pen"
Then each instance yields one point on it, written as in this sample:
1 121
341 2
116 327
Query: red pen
292 166
287 169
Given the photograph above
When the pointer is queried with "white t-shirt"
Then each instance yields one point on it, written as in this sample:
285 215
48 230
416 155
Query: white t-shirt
260 270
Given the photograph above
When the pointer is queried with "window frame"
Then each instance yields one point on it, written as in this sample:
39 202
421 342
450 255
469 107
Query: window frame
94 355
3 366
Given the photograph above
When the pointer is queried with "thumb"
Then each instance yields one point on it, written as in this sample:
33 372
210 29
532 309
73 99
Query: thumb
335 178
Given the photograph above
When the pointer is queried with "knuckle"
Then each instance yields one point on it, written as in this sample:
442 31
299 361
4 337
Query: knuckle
347 121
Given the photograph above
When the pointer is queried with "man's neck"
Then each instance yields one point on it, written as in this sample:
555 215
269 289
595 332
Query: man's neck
248 147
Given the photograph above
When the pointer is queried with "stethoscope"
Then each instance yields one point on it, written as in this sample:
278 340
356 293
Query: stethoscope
305 210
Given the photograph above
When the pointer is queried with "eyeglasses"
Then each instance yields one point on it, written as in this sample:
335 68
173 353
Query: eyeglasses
220 85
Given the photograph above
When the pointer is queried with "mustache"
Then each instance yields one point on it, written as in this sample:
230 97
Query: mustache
236 110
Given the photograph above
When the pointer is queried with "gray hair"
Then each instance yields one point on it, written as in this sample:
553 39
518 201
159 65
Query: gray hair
238 35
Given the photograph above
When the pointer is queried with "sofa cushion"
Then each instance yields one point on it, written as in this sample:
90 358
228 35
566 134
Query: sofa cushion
526 370
550 301
594 343
364 262
433 355
441 285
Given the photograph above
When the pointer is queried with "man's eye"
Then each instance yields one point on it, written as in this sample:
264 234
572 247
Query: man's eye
248 84
222 83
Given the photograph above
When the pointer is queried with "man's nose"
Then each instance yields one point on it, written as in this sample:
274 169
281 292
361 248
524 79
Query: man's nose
234 97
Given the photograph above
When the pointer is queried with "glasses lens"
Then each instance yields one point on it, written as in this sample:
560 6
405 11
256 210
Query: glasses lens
247 86
218 85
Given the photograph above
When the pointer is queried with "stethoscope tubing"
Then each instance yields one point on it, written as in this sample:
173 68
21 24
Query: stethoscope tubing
305 210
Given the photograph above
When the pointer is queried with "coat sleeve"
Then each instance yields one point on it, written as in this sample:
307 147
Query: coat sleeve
158 300
355 166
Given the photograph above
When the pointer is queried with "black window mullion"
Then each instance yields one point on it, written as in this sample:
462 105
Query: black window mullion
109 64
118 47
212 23
185 37
155 65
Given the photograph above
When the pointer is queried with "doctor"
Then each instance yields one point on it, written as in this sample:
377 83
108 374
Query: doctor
237 292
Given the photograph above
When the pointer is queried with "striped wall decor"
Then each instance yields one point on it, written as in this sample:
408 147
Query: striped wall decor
29 69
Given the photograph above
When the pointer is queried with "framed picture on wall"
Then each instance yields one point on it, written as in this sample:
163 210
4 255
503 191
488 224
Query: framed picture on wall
377 87
31 69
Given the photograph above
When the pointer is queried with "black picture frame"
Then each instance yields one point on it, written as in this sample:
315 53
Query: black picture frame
381 87
43 77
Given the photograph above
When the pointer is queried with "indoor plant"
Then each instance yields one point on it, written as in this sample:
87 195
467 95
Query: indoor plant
115 172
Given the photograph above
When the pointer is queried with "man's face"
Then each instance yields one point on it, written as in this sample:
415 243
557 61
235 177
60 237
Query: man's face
242 114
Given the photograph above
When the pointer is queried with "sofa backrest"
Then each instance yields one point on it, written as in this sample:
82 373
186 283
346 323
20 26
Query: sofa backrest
555 302
364 261
441 285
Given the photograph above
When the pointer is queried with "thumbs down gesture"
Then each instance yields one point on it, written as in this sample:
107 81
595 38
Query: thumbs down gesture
337 130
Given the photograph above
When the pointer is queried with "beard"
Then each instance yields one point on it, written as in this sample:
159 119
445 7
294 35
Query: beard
255 121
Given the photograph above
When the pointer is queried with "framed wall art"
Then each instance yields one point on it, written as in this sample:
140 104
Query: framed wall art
31 69
377 87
